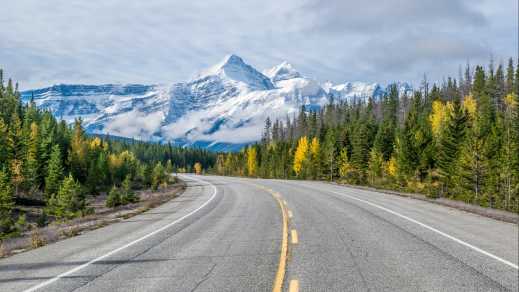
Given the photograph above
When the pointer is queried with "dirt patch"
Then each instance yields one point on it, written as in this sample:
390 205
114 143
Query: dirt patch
102 216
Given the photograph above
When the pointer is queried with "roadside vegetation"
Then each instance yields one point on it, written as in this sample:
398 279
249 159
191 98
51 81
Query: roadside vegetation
51 171
458 140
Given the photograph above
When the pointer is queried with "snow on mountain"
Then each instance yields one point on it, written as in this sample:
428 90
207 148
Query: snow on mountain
222 108
283 71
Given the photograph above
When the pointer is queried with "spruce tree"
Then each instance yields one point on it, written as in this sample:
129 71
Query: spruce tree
69 202
328 154
32 165
6 203
449 143
54 172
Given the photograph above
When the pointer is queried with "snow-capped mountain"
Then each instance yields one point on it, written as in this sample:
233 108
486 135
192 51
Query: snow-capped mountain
223 107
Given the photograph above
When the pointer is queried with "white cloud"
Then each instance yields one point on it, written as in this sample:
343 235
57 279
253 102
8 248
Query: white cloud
162 41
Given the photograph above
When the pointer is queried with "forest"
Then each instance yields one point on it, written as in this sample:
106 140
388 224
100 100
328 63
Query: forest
457 139
46 162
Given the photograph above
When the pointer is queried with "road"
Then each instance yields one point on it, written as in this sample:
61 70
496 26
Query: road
236 234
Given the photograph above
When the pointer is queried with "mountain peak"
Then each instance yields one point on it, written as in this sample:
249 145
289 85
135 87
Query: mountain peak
283 71
233 69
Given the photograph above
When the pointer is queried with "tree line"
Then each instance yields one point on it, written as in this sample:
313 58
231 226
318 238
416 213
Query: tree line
458 139
49 163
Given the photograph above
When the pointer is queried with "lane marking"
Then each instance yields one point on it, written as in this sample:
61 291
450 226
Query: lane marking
475 248
290 214
285 202
294 286
293 236
280 274
56 278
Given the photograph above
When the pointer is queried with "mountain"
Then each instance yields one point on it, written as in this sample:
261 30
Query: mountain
222 108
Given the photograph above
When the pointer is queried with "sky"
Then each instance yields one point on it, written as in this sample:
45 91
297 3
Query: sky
166 41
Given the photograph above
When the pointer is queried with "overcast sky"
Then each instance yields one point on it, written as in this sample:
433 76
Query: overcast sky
44 42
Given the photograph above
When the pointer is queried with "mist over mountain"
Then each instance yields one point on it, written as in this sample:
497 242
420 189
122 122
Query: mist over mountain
223 108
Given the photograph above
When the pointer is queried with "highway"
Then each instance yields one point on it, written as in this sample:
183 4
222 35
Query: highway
238 234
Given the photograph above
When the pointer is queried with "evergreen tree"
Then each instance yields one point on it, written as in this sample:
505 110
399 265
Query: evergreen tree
328 153
128 195
55 172
451 136
68 202
158 176
6 204
114 198
32 165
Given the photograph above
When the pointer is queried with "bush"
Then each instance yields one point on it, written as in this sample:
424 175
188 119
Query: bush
114 198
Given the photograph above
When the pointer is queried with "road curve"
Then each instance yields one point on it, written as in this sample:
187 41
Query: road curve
227 234
218 236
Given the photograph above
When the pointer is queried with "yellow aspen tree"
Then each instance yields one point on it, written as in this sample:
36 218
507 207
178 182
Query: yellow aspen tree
251 161
391 167
198 168
344 163
300 155
437 117
470 105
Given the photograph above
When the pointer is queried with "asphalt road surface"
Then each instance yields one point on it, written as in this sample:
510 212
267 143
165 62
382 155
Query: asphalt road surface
235 234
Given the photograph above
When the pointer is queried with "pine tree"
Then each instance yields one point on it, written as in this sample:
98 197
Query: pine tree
157 176
509 87
360 151
6 204
448 148
509 162
328 153
78 153
3 144
128 195
68 202
54 173
114 198
32 165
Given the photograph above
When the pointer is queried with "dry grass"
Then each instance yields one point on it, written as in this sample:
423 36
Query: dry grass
102 216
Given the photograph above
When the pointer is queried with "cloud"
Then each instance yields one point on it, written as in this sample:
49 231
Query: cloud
162 41
382 16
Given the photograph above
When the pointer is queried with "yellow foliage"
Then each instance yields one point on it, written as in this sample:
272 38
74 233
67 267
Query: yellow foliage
95 143
511 100
114 161
198 168
251 161
391 167
314 148
439 115
300 155
470 105
344 165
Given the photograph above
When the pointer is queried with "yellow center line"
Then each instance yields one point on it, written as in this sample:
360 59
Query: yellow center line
294 286
293 235
280 274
